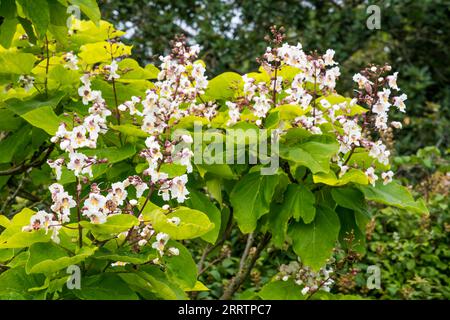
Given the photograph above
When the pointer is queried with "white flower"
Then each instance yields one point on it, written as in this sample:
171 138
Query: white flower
175 220
187 138
112 70
26 81
383 96
77 162
161 241
305 290
328 57
387 177
261 106
392 81
174 251
119 192
396 124
94 203
63 202
185 159
361 80
399 102
94 124
85 79
71 61
140 188
344 169
178 188
133 202
380 108
57 166
233 113
142 242
40 220
370 173
78 137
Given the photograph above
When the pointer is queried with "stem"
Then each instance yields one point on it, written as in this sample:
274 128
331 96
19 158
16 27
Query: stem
350 155
314 96
274 89
248 245
80 228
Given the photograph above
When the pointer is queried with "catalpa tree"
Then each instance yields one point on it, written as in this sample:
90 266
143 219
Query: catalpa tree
144 182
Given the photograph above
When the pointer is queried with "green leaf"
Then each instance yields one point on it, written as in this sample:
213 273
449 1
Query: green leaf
89 8
9 121
199 201
106 286
43 118
133 71
160 285
315 154
301 201
113 154
298 202
251 197
352 175
15 284
214 188
350 230
6 255
173 169
38 12
220 170
21 107
92 53
48 258
181 268
13 143
281 290
223 86
114 224
314 242
393 194
125 255
129 130
7 31
16 62
351 198
193 222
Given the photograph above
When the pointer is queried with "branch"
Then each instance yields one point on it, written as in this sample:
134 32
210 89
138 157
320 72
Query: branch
243 273
24 167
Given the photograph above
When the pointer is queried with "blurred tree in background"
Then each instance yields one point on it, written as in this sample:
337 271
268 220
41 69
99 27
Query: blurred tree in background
414 38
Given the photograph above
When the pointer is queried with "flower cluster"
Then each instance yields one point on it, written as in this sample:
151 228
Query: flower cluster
312 89
303 276
62 203
84 133
180 84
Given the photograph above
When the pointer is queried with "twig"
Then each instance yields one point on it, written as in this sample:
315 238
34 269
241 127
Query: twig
11 198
